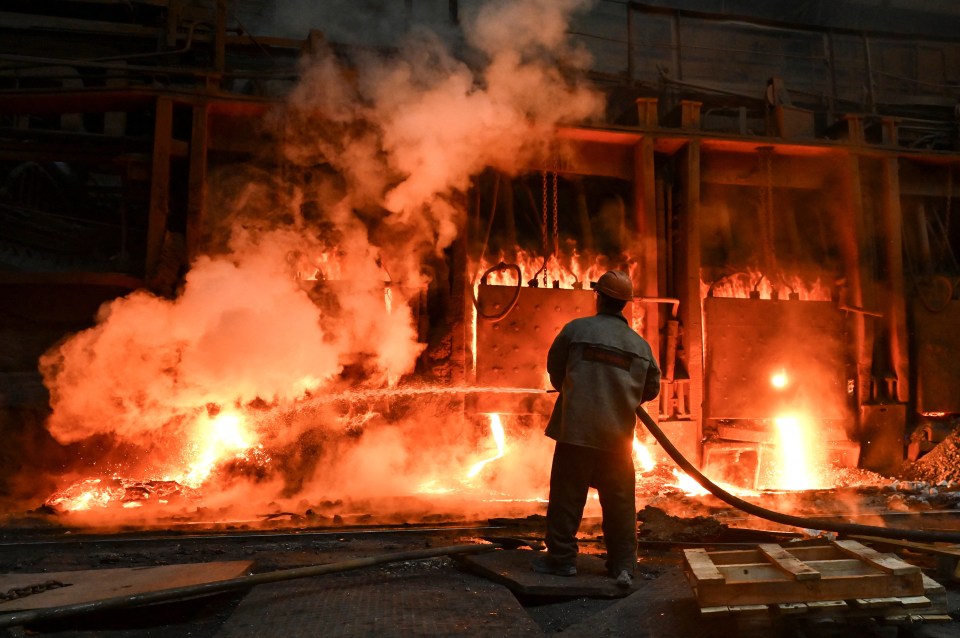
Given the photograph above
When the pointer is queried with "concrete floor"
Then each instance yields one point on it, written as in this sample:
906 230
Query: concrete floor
431 597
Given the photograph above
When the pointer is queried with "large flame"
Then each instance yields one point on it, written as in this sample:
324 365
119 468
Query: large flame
642 457
499 438
216 439
798 460
760 285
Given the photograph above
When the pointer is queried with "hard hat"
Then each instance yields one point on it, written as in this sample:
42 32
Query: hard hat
616 284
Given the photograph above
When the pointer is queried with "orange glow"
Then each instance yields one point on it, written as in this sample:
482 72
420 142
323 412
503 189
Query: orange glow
741 285
779 380
642 458
686 483
566 271
797 460
86 495
496 429
433 487
217 439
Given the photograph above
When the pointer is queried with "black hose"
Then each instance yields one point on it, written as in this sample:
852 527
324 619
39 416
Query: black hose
493 318
923 536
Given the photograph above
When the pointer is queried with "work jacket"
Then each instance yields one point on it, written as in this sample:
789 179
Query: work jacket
603 370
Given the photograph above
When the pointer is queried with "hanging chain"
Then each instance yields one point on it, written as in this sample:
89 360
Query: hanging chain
30 590
544 228
556 227
946 221
766 208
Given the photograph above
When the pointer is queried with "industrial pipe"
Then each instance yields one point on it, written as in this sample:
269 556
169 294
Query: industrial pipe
923 536
18 618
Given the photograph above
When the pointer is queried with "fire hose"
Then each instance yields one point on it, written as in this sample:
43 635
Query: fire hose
853 529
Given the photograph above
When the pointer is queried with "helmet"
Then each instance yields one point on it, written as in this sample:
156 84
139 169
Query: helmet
616 284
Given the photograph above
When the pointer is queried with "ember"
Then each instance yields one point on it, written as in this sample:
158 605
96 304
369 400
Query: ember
101 493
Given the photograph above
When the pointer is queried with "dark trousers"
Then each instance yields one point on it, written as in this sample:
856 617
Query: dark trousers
575 470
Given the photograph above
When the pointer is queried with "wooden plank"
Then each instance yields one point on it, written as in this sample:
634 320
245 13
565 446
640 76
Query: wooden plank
805 554
827 605
887 562
791 609
915 601
704 571
749 609
874 603
85 586
764 572
928 548
921 618
789 564
788 591
930 586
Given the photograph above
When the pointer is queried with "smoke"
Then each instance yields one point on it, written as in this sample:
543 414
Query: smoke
305 283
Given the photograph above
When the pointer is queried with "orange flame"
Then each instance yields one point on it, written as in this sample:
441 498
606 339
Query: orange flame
496 429
797 458
85 495
642 457
686 483
218 438
779 379
743 285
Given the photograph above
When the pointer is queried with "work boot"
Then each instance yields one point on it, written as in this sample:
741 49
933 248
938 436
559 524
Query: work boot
543 565
624 579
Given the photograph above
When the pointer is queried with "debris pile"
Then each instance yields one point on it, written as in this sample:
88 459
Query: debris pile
657 525
941 465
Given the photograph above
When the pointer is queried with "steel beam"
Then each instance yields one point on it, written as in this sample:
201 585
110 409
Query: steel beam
197 186
159 183
689 279
895 310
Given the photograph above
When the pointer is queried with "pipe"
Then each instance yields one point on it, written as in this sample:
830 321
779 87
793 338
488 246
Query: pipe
673 301
242 582
923 536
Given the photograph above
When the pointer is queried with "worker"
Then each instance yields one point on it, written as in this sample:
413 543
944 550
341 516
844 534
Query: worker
603 370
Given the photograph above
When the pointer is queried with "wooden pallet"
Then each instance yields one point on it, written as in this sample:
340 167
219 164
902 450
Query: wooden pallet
834 573
931 607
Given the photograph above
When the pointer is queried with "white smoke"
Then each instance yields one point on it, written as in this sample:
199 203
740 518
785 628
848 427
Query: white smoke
383 150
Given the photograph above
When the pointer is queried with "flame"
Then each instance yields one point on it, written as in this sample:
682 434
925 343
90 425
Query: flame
796 454
86 495
575 270
686 483
432 486
496 429
218 438
642 457
754 283
779 379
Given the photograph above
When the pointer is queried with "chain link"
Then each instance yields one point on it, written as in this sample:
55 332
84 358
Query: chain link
30 590
946 221
556 227
544 228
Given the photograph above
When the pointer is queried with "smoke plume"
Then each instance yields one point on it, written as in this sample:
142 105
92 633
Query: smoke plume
305 283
